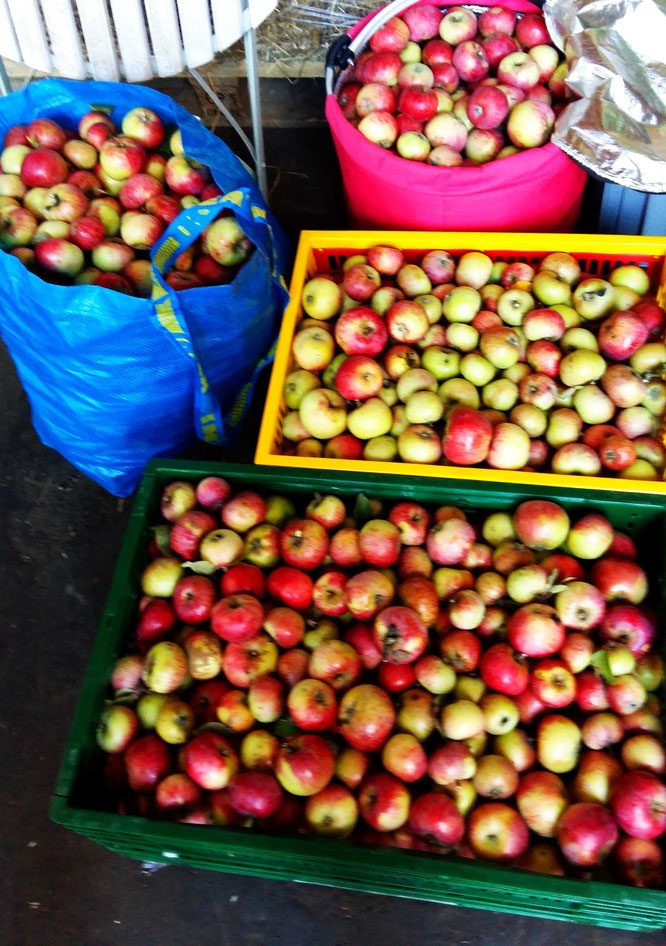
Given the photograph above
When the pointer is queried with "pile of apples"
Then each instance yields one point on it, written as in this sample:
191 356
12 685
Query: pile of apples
471 361
84 207
434 87
402 675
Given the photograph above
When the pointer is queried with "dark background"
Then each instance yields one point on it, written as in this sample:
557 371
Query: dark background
59 538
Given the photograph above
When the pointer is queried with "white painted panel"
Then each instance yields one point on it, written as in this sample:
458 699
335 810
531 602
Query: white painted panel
64 38
30 34
260 10
8 45
227 21
98 40
130 27
164 36
195 26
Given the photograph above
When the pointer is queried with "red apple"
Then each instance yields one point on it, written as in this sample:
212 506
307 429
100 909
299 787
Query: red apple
305 764
586 833
366 717
502 670
467 436
496 832
291 586
237 617
384 802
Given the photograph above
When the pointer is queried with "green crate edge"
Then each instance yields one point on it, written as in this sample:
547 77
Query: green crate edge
322 861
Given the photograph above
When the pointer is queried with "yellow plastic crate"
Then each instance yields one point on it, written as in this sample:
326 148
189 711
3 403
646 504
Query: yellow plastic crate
325 250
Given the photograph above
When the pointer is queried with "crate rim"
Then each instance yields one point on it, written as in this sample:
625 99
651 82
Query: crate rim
309 240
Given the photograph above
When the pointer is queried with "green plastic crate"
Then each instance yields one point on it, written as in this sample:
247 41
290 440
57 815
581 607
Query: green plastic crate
403 873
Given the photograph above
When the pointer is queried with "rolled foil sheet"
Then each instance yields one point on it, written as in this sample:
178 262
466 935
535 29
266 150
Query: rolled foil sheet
616 52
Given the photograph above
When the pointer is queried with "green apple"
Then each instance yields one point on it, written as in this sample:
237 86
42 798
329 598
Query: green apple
501 346
411 53
570 316
296 385
381 448
460 391
321 298
415 379
563 265
477 369
575 338
593 405
639 470
496 273
531 418
564 426
649 357
517 372
330 371
399 420
372 419
631 277
551 289
419 443
576 458
442 363
323 413
474 269
625 298
432 306
501 395
593 298
462 336
424 407
581 367
461 304
292 427
513 305
383 299
388 394
357 260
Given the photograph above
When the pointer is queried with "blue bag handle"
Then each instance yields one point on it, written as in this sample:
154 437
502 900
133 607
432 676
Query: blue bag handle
210 425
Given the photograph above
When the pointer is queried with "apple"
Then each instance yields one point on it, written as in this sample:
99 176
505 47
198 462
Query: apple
558 743
541 524
321 298
602 730
594 779
469 60
323 413
497 832
335 662
593 298
531 30
406 321
393 36
332 813
580 606
147 762
622 334
382 68
586 833
365 717
576 458
174 722
638 803
117 727
619 579
384 802
458 26
516 746
379 127
640 862
467 438
361 331
644 751
157 618
165 667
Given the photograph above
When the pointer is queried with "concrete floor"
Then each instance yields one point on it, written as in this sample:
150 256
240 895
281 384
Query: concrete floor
58 544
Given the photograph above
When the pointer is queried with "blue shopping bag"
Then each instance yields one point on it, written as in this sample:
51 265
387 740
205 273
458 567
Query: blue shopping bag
115 380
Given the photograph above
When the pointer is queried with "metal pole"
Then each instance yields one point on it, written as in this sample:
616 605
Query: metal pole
252 63
5 84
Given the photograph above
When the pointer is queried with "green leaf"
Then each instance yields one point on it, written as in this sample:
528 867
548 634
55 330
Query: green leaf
200 568
163 539
362 509
284 728
126 697
219 728
599 661
104 109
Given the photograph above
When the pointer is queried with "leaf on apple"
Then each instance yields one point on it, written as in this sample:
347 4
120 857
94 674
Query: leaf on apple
162 540
219 728
599 661
126 696
284 728
201 568
362 509
104 109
